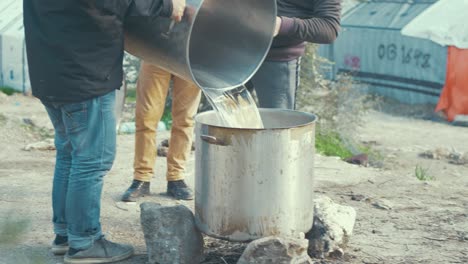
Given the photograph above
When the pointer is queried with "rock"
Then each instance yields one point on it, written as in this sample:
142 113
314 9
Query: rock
47 144
165 143
452 156
276 250
29 122
438 153
162 151
332 229
361 159
170 234
382 204
458 158
358 197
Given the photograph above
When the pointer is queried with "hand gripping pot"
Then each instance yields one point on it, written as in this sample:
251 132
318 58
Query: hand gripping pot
219 44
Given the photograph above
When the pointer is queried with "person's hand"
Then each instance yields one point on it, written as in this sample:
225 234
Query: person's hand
178 8
277 26
189 13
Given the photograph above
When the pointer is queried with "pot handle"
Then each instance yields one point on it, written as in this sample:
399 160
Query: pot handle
213 140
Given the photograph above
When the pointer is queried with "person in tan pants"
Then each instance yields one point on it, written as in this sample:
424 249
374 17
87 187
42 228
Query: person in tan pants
152 89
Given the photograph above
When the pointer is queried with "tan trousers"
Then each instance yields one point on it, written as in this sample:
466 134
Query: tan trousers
152 89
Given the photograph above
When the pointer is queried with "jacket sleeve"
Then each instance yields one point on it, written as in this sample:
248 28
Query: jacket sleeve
150 8
322 27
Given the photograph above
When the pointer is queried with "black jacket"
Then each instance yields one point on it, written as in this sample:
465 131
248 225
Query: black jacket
75 47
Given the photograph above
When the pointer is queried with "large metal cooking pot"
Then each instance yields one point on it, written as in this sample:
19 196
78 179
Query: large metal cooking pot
219 44
252 183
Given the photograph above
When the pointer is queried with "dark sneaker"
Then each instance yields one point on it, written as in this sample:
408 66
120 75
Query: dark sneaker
179 190
60 245
136 190
102 251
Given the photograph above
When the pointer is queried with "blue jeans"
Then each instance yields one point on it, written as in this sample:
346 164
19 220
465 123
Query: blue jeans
276 83
85 138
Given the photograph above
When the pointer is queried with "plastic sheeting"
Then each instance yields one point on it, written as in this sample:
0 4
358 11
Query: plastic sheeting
454 98
445 23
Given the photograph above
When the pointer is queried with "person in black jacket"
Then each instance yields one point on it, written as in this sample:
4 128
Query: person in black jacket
75 50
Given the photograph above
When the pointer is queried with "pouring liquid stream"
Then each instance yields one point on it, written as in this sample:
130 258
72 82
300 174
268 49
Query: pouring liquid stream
235 107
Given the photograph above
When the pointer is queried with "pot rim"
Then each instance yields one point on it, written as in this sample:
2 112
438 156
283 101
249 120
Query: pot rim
313 117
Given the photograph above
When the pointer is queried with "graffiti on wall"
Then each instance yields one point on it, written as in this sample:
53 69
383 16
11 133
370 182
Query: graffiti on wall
353 62
404 55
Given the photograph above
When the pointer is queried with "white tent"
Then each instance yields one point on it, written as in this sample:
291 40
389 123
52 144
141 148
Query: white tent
13 63
445 23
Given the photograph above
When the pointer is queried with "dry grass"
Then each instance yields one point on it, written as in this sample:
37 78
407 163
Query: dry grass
341 105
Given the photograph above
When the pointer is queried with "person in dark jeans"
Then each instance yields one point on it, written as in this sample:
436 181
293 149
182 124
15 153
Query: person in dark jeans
75 51
298 22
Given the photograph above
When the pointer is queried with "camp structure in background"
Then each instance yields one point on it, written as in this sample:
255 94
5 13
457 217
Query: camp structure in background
13 61
412 51
445 23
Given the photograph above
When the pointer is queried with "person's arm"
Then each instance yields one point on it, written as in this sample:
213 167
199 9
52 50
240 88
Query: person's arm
321 28
166 8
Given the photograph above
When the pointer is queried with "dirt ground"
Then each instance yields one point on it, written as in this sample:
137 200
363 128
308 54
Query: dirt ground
400 219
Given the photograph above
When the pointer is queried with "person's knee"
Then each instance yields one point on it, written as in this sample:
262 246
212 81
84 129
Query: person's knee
146 122
185 122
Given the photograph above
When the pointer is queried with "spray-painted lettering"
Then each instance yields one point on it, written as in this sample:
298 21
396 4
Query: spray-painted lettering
404 55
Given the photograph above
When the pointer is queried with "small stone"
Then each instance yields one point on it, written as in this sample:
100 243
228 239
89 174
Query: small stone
165 143
29 122
276 250
458 158
338 253
358 197
382 204
162 151
361 159
332 229
47 144
171 235
438 153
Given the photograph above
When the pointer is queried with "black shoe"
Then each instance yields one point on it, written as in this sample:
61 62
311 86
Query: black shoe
136 190
179 190
102 251
60 245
